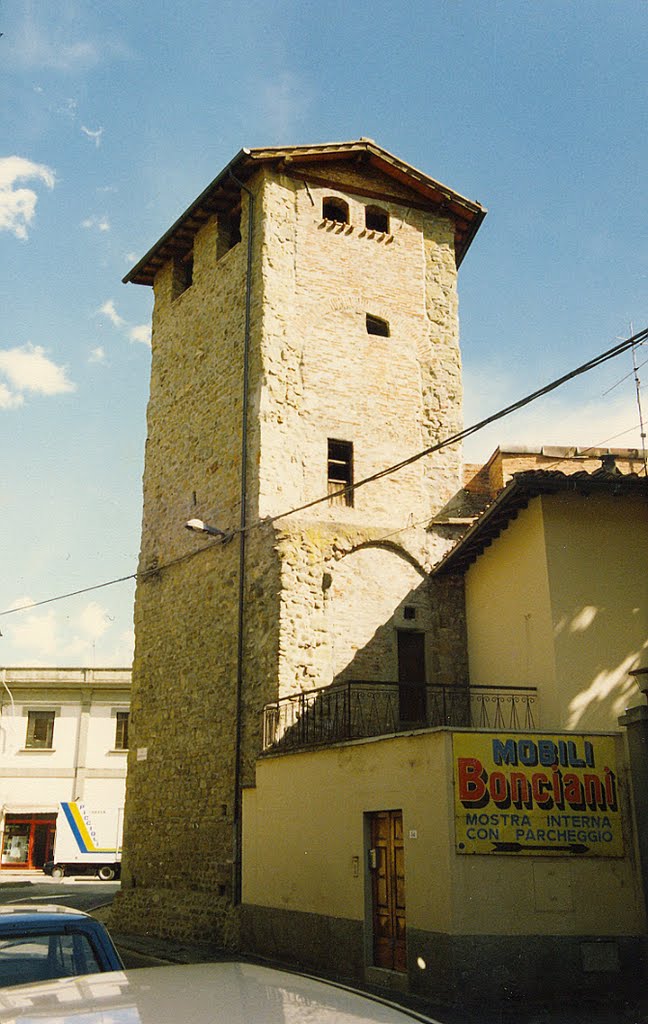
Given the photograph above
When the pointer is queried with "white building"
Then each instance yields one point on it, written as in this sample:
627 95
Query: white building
63 736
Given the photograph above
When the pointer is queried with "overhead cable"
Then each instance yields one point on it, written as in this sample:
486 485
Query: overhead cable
461 435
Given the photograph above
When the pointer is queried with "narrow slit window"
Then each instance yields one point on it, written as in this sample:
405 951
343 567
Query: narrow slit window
340 471
335 209
376 325
376 219
40 730
182 273
229 230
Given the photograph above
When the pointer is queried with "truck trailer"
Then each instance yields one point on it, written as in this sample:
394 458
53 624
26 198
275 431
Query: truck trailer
88 841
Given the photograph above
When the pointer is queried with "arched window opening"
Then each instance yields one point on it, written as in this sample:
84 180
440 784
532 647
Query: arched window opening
376 325
376 219
335 209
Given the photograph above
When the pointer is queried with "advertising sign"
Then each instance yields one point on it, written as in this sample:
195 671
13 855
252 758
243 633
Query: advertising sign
536 794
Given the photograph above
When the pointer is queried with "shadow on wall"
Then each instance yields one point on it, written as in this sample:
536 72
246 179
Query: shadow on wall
596 650
396 650
377 595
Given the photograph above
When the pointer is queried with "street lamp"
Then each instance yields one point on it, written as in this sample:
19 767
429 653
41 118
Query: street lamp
197 526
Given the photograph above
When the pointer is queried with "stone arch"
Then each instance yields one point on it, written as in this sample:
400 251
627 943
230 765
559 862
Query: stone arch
396 549
370 586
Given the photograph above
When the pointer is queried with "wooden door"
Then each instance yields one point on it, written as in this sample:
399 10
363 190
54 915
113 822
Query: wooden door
411 676
388 890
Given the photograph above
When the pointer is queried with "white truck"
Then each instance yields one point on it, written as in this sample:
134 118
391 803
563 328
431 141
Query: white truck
88 841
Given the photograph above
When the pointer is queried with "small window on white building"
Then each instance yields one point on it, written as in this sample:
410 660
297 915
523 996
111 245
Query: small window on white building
335 209
121 730
40 730
340 471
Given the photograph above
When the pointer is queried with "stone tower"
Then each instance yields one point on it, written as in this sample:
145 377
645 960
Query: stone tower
305 338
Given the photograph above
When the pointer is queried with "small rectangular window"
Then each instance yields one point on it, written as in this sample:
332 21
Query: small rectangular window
340 471
182 273
40 730
121 730
229 231
376 325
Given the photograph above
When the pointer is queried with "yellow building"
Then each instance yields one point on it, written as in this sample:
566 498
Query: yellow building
557 593
474 863
361 859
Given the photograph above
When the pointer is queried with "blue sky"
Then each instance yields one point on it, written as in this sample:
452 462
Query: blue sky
113 117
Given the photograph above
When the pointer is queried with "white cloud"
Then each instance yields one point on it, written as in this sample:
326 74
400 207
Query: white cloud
135 332
559 422
28 369
108 309
285 101
18 205
52 636
100 223
37 44
97 355
94 135
9 399
140 333
93 620
130 257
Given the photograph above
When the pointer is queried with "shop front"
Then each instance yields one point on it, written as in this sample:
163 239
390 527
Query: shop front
27 841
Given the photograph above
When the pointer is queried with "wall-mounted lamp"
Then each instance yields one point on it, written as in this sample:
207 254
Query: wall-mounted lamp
198 526
640 676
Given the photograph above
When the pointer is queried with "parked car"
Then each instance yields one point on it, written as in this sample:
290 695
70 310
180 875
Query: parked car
46 942
220 993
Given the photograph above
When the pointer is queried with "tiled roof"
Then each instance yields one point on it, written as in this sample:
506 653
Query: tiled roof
516 496
224 191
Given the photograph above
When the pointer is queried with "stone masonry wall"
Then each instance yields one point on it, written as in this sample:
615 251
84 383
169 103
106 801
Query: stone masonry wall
326 377
179 814
325 589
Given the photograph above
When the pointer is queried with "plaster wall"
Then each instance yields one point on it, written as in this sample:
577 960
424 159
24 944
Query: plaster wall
308 864
508 614
493 924
597 553
558 601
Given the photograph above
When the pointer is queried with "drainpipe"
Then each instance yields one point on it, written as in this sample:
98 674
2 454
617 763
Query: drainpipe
238 829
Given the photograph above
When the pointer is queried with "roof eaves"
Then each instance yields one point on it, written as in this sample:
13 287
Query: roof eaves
468 211
140 267
521 489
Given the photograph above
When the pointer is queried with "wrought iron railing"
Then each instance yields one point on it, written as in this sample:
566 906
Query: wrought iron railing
359 709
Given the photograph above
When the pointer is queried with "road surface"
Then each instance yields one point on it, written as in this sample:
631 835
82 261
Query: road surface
82 893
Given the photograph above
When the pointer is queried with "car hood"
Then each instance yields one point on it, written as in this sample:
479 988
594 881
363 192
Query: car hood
221 993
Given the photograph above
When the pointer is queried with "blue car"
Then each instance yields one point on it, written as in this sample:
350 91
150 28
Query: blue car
42 943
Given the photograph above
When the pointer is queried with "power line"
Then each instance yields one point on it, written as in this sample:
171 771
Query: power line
611 353
591 364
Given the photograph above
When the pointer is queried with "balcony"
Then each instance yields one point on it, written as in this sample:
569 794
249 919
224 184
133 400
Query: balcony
355 710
